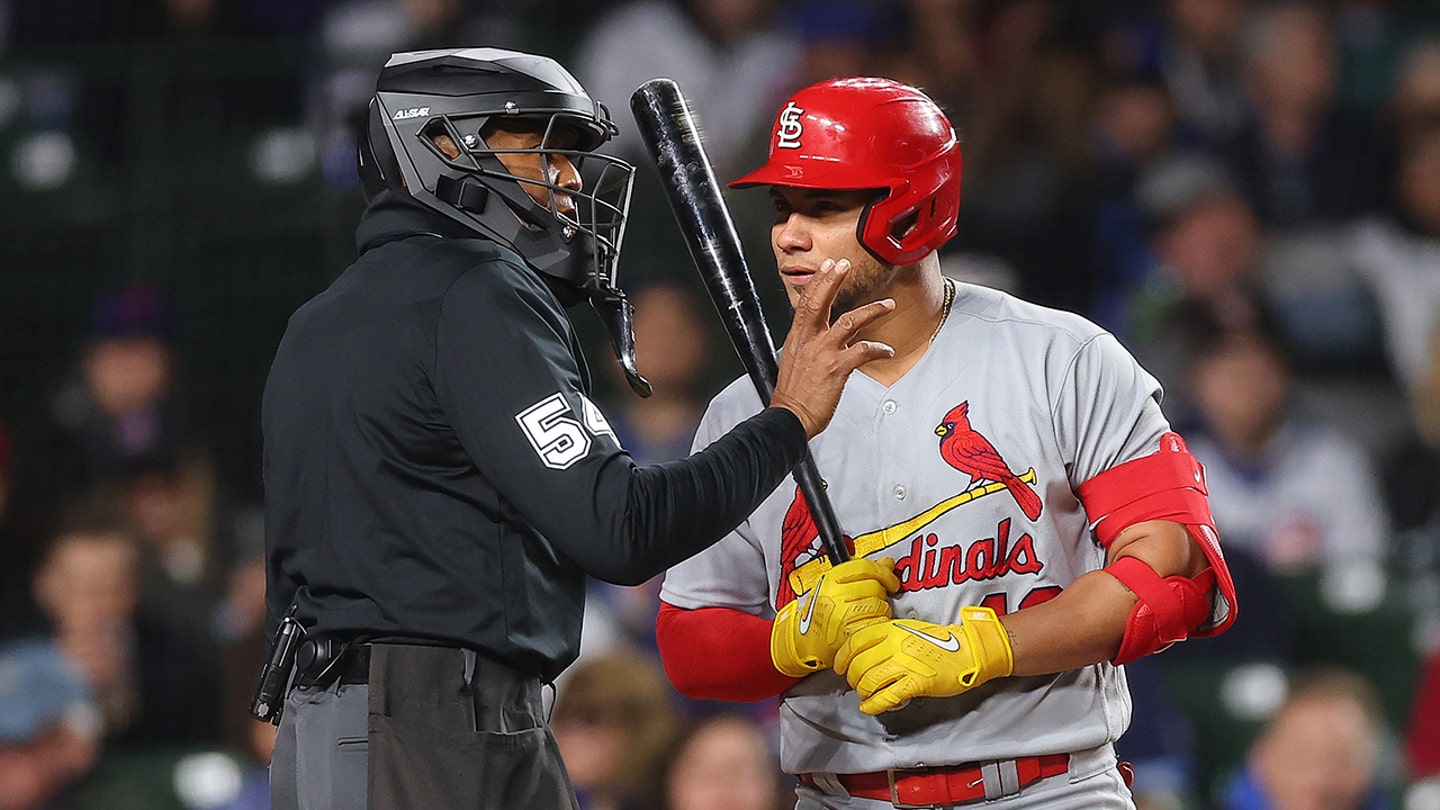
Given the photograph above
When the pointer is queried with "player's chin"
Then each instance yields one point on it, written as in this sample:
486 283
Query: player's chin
844 303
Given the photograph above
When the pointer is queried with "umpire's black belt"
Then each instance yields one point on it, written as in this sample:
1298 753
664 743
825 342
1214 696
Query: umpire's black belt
324 661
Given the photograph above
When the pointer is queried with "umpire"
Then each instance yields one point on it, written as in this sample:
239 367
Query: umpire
439 484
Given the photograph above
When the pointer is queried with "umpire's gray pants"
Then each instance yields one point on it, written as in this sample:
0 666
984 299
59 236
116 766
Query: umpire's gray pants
322 749
435 727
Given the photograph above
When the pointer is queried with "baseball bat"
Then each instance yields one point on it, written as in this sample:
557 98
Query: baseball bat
673 139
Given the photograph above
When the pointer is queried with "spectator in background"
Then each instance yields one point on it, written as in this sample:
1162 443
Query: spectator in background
1399 257
241 616
123 435
1160 742
123 405
1201 67
1207 247
672 351
1374 37
1299 159
730 58
174 514
154 685
88 587
1025 128
1133 129
1193 52
723 763
1411 474
1321 749
255 751
252 740
49 729
1414 108
1276 477
1414 482
615 718
849 37
1211 253
353 36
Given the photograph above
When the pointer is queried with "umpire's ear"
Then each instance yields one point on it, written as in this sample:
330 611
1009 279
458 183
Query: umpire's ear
446 145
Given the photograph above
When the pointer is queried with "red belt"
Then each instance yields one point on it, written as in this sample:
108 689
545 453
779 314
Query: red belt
928 787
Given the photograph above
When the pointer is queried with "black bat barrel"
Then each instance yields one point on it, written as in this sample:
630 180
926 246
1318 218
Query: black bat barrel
673 139
670 133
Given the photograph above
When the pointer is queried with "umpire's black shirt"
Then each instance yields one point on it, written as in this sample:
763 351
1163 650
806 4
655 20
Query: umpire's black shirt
435 469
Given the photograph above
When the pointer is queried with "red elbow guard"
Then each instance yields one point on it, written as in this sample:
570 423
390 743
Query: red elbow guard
1166 485
1168 610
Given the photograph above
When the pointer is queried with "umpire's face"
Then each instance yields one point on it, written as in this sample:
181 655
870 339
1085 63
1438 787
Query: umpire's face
812 225
517 145
553 169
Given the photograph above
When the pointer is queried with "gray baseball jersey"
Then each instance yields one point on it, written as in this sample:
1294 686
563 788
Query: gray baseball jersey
1034 402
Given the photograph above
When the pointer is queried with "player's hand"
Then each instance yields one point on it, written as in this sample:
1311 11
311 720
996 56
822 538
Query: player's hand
891 663
819 356
808 631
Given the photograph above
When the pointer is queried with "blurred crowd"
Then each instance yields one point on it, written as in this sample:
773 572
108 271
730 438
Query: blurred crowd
1247 193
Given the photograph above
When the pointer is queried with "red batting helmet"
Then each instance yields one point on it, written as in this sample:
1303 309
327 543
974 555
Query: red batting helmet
872 133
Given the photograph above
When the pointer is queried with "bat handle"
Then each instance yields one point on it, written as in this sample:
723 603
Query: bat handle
807 475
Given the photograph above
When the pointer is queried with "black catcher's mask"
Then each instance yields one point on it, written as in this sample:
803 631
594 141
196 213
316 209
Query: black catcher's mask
466 94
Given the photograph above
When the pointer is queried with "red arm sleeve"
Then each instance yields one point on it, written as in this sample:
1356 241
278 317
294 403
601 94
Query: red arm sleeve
718 654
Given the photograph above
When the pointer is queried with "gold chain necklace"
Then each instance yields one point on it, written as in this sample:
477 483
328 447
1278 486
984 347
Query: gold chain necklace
944 310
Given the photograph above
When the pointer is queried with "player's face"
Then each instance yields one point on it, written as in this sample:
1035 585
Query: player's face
812 225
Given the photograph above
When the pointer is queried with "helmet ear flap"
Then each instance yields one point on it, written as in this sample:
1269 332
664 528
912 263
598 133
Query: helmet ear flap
463 193
914 219
893 231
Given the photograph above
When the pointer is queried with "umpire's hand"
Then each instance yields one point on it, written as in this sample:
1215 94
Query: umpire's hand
818 356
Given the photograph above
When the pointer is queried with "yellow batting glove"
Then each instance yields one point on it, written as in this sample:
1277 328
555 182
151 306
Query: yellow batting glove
808 631
893 662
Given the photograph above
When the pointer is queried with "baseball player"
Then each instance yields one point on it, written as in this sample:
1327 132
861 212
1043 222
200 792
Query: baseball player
1023 521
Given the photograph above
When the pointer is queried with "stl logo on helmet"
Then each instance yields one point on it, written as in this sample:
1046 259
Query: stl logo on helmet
788 135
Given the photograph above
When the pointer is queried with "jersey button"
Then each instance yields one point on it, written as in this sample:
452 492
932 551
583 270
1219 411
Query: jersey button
899 493
889 406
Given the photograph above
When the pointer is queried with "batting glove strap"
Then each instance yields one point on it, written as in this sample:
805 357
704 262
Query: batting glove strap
993 655
788 648
808 631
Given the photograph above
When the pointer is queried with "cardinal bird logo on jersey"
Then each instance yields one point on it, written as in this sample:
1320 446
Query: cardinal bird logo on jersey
799 544
969 452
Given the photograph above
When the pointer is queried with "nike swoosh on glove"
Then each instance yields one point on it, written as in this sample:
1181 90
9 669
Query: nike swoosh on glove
893 662
808 631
